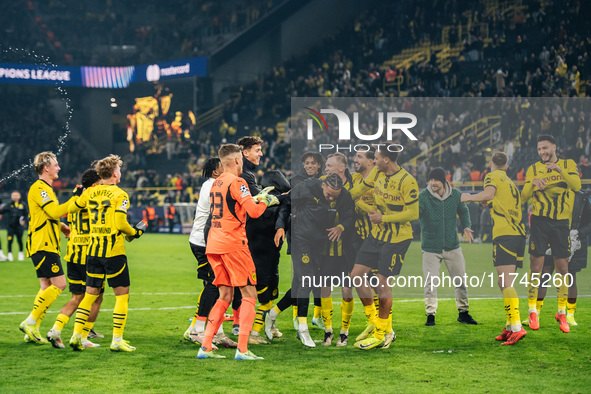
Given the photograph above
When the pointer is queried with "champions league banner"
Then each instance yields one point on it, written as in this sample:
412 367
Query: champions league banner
100 77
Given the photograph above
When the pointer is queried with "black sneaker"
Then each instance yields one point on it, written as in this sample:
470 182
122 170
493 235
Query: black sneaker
430 320
464 317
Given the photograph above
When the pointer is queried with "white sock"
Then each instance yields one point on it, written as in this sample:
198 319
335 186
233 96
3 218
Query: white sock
272 314
561 312
30 321
117 339
221 329
516 328
303 327
344 332
199 326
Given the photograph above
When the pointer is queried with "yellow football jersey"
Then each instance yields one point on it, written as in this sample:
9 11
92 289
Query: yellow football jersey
362 207
103 203
396 197
79 223
556 200
44 218
505 207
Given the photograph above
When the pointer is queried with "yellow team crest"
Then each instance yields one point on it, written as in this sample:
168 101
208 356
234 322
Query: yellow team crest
254 276
533 247
55 268
305 259
275 292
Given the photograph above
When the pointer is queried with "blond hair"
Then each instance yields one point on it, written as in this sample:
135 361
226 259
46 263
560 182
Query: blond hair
42 160
105 167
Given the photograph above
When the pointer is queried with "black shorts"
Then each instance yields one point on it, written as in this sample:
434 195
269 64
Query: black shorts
508 250
306 261
47 264
574 265
547 233
77 278
114 268
204 270
268 291
385 256
15 230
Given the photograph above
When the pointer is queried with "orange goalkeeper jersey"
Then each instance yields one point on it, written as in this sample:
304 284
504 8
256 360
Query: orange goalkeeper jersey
230 201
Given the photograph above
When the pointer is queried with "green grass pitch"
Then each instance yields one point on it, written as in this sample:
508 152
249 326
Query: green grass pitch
450 356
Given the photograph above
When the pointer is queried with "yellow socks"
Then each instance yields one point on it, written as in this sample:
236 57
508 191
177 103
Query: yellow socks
562 292
43 301
371 313
83 312
571 308
120 315
346 312
327 309
532 294
86 330
381 327
539 305
512 308
60 322
258 320
317 311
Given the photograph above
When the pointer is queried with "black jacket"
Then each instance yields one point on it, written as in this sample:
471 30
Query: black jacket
582 222
16 213
248 174
312 214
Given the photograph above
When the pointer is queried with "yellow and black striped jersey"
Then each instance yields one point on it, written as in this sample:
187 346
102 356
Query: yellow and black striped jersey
107 210
555 201
505 207
363 205
336 248
44 216
396 197
79 240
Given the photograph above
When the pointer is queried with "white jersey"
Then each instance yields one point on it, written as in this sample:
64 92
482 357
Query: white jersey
197 236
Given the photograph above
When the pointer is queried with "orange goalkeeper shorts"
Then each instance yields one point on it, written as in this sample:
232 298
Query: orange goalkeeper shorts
235 269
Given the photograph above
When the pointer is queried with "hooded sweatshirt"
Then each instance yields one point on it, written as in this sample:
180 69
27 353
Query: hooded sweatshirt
437 215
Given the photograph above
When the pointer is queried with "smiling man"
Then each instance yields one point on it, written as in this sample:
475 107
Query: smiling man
551 184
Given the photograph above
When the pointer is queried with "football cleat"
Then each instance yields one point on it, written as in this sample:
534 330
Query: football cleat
192 336
27 339
371 342
296 324
561 319
388 339
504 335
269 326
369 329
76 343
86 343
570 319
256 339
31 331
121 346
328 337
21 256
343 339
10 257
515 336
306 339
236 329
318 322
93 334
203 354
276 333
54 337
534 323
223 340
247 355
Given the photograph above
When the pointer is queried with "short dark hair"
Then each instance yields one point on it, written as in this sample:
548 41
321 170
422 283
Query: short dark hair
500 159
210 166
390 155
89 178
370 153
333 181
248 142
316 156
228 149
546 137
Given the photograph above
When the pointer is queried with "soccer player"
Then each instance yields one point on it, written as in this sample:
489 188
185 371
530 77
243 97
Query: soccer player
508 239
79 224
396 194
581 228
334 259
313 217
227 250
212 169
551 184
16 213
107 206
43 241
439 207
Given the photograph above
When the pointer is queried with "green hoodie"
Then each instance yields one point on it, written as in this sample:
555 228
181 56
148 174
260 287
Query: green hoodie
437 215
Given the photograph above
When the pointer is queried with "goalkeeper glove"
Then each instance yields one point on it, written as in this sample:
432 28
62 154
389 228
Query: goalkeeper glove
139 230
266 198
78 190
